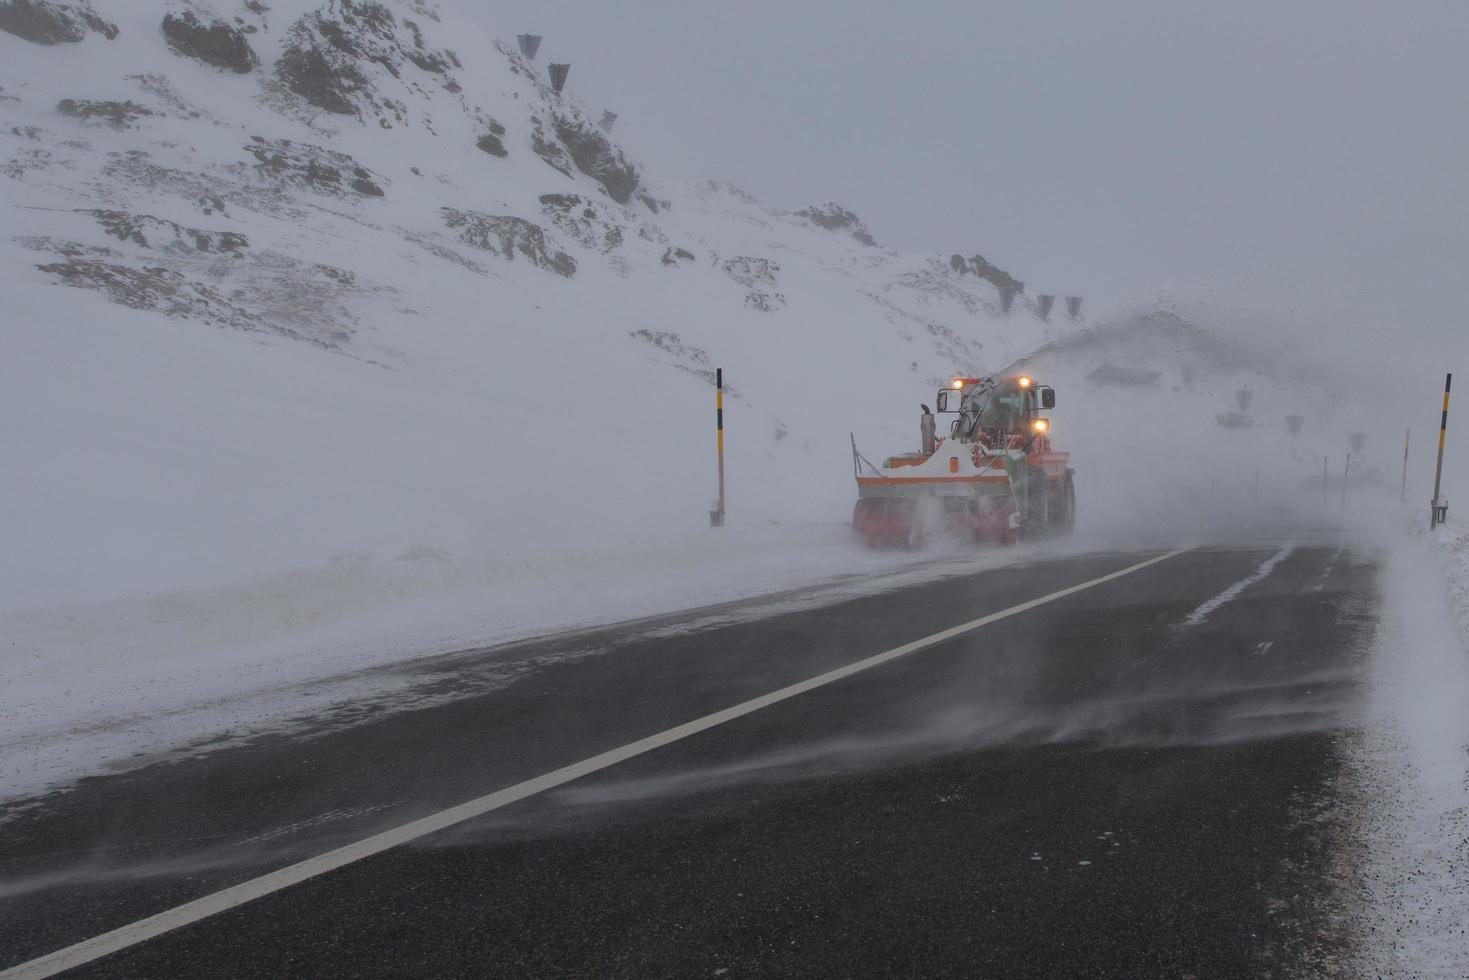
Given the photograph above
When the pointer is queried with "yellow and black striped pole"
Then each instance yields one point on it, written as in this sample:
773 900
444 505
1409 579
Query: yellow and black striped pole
716 516
1440 510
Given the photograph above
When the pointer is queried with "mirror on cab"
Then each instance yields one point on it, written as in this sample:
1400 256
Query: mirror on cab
942 401
1048 398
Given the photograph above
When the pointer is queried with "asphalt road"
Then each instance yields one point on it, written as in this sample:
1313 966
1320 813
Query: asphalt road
1141 778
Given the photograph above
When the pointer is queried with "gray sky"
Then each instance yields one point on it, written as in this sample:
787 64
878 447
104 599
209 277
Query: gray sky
1304 158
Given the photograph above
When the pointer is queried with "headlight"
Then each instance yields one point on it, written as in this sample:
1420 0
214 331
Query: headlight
1040 425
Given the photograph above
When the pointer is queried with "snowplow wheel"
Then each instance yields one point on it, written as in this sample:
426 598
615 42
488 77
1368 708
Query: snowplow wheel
1037 507
1067 518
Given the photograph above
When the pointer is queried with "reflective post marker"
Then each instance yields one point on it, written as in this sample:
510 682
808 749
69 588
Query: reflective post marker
1407 438
1346 472
716 516
1439 510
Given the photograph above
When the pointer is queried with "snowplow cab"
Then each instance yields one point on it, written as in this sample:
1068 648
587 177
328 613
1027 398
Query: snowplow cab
997 412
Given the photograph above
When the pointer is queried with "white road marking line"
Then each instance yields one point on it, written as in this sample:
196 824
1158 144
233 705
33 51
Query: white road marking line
1326 575
190 912
1266 567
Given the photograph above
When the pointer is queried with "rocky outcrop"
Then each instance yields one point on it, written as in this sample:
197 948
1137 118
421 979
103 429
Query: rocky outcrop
986 270
314 167
491 141
598 157
683 355
548 149
834 217
50 22
159 233
760 277
331 53
217 43
585 221
507 235
119 115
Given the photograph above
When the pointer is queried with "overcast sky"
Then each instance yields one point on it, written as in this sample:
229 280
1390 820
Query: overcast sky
1307 158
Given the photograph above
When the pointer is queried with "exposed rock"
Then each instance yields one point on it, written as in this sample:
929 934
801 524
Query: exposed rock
760 277
583 220
150 288
207 280
834 217
116 114
320 169
420 55
655 204
677 256
491 144
549 150
52 22
930 281
726 188
168 235
985 269
307 72
685 357
27 161
507 235
216 44
327 57
597 157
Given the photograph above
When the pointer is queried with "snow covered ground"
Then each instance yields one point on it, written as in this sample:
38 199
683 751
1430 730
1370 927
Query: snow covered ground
1413 762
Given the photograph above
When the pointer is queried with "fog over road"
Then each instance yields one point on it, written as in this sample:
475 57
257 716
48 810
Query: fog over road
1138 774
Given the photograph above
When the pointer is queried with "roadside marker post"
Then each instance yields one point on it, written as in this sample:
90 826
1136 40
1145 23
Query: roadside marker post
1346 472
1407 438
1439 507
716 516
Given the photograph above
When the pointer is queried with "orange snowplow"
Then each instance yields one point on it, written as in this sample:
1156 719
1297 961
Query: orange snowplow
993 476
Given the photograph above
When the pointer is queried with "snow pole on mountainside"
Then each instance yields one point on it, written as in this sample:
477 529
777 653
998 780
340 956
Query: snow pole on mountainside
716 515
1403 494
1438 507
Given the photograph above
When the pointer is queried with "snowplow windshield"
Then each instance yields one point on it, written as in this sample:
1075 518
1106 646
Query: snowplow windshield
1002 408
1005 410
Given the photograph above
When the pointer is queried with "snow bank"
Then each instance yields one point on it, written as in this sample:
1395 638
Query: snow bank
1414 765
